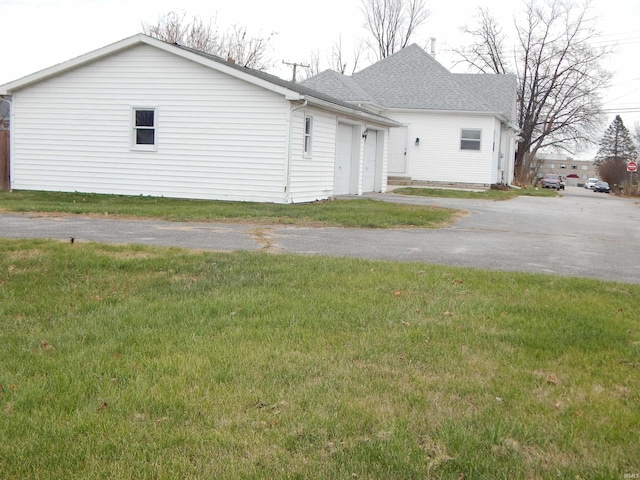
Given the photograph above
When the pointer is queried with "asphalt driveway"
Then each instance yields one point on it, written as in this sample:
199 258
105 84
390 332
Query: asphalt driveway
580 234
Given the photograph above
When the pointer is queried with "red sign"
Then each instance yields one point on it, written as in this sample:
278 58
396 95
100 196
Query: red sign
632 167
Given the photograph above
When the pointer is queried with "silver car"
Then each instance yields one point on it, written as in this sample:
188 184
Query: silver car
590 183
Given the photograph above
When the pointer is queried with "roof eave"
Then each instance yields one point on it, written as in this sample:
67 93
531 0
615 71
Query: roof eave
500 115
368 104
387 122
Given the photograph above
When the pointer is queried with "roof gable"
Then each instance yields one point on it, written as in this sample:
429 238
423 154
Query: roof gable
130 42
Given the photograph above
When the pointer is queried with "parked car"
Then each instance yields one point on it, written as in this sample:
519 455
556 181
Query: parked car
552 180
590 183
601 186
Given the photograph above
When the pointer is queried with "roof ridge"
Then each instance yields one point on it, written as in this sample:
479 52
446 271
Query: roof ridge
414 47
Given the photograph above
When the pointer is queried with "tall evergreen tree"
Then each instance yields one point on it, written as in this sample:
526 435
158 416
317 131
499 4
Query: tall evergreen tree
616 144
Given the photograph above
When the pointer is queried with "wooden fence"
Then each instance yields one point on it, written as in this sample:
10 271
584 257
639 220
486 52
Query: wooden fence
4 160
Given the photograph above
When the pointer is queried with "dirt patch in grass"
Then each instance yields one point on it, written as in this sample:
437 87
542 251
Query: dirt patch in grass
266 238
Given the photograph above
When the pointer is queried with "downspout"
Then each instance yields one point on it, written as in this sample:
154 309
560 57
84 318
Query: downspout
287 187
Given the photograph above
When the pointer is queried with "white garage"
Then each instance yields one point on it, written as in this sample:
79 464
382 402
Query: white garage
146 117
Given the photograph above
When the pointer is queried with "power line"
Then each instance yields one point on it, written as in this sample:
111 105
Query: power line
615 40
630 32
624 95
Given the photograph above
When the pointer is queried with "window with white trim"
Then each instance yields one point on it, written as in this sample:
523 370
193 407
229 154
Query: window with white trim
144 128
308 129
470 139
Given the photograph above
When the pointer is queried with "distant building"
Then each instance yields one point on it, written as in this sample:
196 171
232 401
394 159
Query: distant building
575 171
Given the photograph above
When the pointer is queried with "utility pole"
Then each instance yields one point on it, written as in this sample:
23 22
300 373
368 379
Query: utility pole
295 67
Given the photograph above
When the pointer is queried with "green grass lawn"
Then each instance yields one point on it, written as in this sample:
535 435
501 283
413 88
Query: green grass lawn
484 195
364 213
152 363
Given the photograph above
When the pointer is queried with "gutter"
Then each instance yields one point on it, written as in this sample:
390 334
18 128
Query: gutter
287 184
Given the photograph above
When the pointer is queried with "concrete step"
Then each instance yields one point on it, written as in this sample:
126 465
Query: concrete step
398 180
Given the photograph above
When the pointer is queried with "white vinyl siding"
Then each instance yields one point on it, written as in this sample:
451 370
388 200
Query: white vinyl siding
312 175
438 157
217 137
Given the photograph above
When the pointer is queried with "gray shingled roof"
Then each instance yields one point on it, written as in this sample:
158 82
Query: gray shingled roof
339 86
413 79
498 91
296 87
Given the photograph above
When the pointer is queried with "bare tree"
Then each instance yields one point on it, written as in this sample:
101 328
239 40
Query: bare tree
487 54
614 172
310 67
234 44
560 77
392 23
247 51
339 62
174 27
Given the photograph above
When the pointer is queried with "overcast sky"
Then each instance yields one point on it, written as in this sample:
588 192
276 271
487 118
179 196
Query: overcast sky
40 33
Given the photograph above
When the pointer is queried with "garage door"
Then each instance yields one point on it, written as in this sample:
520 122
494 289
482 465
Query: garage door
343 160
370 153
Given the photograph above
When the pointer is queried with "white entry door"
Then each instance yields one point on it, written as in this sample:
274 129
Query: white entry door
370 154
344 149
398 150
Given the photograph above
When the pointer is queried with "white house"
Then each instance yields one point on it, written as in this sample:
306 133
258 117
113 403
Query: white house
142 116
455 128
